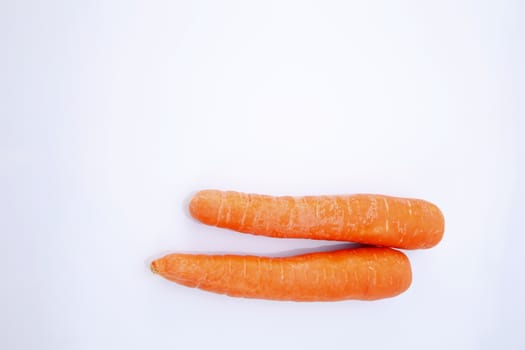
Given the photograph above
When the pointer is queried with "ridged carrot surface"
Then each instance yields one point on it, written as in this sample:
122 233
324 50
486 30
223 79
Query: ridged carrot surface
363 218
361 273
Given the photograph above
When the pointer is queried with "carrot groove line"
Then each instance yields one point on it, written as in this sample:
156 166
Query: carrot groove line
363 218
244 212
360 273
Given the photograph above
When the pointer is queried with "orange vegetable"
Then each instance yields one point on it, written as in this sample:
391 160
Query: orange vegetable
361 273
363 218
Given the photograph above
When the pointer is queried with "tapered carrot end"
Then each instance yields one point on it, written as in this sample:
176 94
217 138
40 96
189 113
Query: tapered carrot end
204 206
155 266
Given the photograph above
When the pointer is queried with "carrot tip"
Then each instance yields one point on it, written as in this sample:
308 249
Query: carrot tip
153 267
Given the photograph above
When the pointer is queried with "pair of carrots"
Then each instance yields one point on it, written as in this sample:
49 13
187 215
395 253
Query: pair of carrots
365 273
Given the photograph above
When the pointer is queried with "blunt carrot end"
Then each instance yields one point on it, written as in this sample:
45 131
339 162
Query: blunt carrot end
205 206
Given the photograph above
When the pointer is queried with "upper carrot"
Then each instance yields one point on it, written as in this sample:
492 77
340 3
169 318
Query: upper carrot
360 273
363 218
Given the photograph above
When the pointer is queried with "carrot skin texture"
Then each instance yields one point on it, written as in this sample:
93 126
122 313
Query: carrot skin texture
366 273
363 218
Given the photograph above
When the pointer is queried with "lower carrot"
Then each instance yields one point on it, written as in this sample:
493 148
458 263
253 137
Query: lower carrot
366 273
364 218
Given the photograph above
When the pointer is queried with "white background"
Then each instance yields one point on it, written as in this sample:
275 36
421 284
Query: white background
114 112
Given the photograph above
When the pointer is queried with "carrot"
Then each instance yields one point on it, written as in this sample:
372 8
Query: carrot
363 218
360 273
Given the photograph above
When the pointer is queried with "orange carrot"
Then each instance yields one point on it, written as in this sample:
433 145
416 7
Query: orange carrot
360 273
363 218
